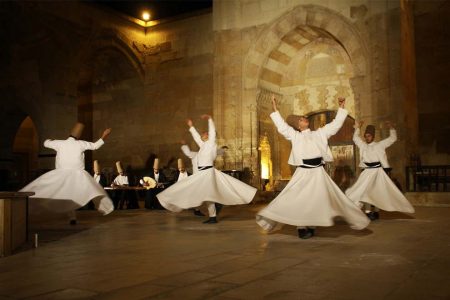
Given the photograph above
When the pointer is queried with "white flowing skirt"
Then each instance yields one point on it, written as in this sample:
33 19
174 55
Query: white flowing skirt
209 185
311 198
375 187
65 190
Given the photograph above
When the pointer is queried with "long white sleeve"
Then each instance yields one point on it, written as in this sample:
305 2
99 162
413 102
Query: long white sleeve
333 127
51 144
211 131
357 139
283 128
390 140
187 151
92 146
196 136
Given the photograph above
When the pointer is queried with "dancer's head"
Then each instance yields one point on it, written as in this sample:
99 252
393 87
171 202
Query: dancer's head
297 122
205 136
369 134
77 130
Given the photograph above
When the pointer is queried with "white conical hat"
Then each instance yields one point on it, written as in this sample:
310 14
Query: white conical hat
119 167
96 166
180 164
156 163
77 130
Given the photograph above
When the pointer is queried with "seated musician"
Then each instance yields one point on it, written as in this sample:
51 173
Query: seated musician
121 194
151 202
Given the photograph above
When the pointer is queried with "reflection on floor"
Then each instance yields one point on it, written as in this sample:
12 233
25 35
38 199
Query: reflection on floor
139 254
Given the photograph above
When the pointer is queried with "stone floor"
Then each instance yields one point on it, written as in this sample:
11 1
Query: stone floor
138 254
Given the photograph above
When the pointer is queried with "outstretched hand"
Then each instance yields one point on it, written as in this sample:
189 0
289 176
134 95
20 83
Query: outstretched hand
183 142
205 117
390 125
106 133
189 123
274 103
359 124
341 101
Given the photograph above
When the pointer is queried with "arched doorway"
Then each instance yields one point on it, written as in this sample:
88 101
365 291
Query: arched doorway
25 153
110 81
306 62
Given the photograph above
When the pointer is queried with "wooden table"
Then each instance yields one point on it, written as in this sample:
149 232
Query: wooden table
13 220
123 199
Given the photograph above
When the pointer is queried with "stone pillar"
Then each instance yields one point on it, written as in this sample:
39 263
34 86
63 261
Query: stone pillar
408 70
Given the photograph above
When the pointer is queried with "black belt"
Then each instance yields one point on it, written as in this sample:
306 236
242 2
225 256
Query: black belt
311 163
204 168
372 165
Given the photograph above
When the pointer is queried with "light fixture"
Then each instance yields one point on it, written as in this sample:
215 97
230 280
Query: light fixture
145 16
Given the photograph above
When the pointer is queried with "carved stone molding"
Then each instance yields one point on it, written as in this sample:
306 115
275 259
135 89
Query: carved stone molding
148 50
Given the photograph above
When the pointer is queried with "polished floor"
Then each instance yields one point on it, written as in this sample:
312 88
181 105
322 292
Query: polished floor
139 254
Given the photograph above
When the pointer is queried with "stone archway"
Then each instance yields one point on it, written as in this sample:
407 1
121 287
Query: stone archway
108 71
270 61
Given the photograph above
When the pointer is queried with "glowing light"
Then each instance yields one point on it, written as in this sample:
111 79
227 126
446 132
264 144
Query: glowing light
266 162
146 16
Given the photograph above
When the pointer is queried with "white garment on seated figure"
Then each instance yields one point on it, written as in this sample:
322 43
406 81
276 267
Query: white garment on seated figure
121 180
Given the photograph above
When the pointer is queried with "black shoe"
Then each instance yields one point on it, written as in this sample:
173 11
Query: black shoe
198 213
305 233
211 220
73 222
218 207
371 215
376 215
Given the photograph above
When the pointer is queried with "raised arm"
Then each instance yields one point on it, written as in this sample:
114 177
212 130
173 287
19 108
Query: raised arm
187 151
99 142
356 135
211 128
283 128
392 136
194 132
52 144
333 127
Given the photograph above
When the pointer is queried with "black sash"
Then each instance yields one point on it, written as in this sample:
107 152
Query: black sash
312 163
204 168
372 165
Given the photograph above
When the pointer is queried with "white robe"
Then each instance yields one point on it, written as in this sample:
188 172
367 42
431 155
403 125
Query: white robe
192 155
311 198
121 180
209 185
373 185
69 186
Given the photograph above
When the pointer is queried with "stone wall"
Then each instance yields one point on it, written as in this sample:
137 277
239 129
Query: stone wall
63 62
267 42
70 61
432 38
